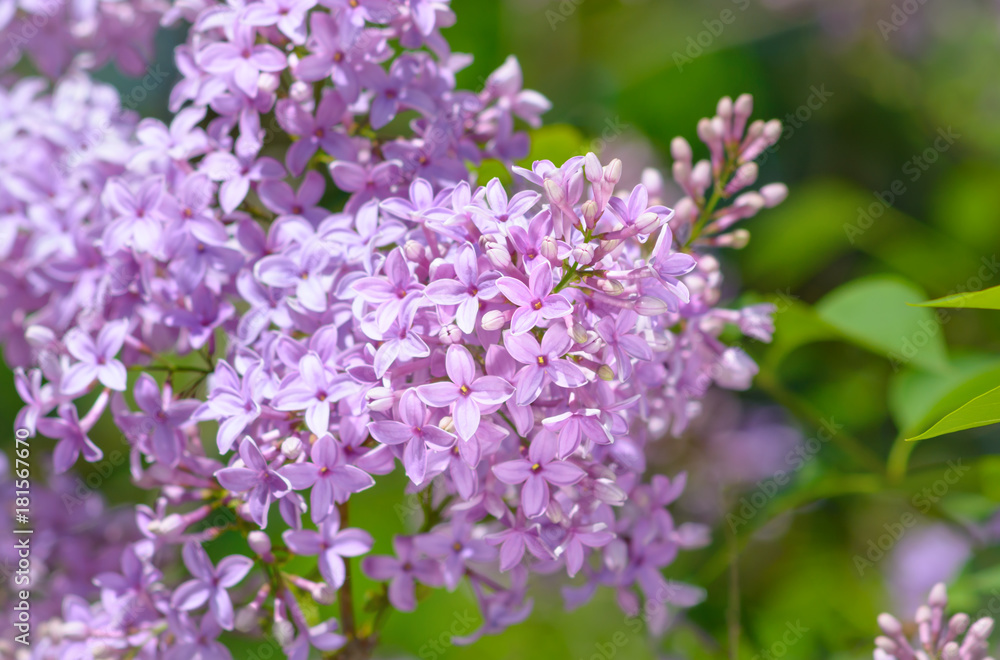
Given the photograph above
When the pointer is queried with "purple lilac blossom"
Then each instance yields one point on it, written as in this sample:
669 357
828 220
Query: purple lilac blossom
524 340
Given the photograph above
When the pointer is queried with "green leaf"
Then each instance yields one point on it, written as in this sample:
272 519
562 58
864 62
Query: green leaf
796 324
876 313
985 299
918 399
981 411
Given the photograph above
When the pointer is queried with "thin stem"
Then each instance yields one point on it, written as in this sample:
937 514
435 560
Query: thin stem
808 413
733 611
345 598
899 459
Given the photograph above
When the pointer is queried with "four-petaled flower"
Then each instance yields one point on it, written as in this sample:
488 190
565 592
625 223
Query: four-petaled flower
469 394
535 302
536 472
96 358
331 544
402 572
210 583
466 290
264 483
72 438
542 362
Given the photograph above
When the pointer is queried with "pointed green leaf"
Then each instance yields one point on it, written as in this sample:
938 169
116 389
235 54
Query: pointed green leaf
981 411
985 299
918 399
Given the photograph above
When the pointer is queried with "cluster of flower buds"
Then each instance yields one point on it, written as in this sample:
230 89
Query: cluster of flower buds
513 351
938 638
730 169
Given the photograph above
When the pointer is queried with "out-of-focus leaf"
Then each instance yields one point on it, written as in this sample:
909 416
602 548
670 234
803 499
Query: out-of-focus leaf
917 399
985 299
796 324
876 313
964 203
823 221
981 411
557 143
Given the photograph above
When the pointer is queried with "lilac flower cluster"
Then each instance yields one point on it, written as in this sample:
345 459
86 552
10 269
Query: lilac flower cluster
516 352
76 538
938 638
58 35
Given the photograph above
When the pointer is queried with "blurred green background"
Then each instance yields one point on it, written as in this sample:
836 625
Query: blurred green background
864 105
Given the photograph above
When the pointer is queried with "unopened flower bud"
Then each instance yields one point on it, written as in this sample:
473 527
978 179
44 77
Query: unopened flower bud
706 133
498 257
592 167
889 624
583 254
413 251
685 212
268 82
548 248
74 631
283 631
653 180
450 334
613 171
650 306
772 131
749 203
607 491
605 373
938 596
447 423
886 644
260 543
611 287
680 149
590 210
724 109
774 194
701 176
379 399
494 320
982 628
736 239
958 624
301 92
553 192
743 108
291 447
648 222
746 175
579 332
681 171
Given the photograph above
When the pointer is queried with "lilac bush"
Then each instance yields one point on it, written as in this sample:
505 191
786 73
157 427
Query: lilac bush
305 259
